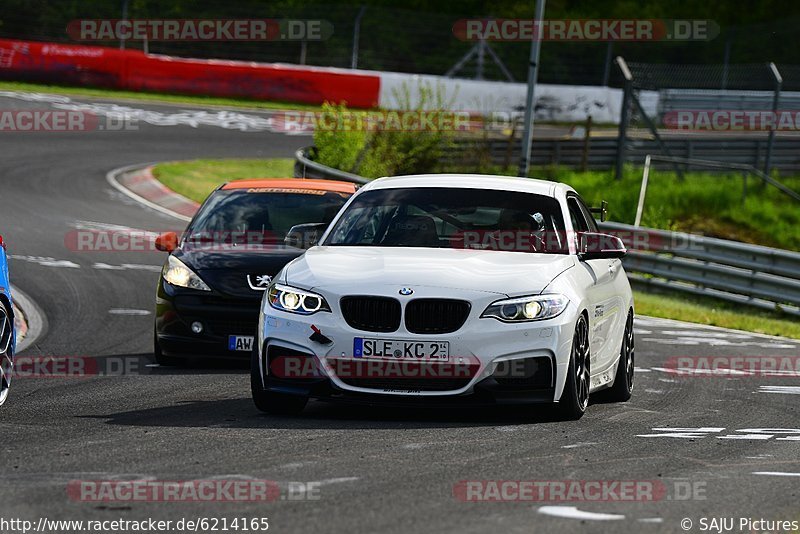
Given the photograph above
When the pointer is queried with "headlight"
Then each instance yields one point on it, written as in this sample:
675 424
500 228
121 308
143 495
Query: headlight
293 300
178 274
534 308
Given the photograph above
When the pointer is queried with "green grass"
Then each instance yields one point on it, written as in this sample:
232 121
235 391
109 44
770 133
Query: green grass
154 97
197 178
716 313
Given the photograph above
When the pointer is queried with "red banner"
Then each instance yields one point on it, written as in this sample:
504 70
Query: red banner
134 70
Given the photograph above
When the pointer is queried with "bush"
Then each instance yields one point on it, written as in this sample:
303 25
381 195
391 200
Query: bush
382 151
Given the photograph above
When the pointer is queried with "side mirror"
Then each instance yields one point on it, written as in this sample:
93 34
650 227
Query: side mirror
305 235
602 211
167 242
597 246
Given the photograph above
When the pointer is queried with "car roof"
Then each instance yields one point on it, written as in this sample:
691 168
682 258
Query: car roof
292 183
472 181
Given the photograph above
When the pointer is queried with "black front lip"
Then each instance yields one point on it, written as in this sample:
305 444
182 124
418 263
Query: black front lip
485 393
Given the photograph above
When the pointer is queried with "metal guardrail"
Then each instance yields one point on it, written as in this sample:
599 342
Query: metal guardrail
602 152
304 167
753 275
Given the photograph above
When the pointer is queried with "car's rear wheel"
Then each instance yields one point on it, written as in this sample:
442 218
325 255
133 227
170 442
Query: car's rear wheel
6 351
575 397
623 381
269 401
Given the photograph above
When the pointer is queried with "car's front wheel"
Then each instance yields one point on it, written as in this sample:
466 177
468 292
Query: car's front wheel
575 397
269 401
6 351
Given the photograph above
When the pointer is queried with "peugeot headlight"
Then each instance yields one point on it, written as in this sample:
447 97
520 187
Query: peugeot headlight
293 300
534 308
178 274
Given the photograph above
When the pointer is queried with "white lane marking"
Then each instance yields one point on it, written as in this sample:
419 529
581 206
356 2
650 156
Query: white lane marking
641 331
127 267
776 474
651 520
667 323
46 261
111 178
571 512
670 341
656 391
789 390
581 444
641 370
128 311
668 380
108 227
694 332
339 480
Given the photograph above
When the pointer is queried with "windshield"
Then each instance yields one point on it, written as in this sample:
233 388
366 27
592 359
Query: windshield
261 216
431 217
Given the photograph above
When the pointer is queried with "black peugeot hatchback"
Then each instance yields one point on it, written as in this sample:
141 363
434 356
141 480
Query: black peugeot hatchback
210 288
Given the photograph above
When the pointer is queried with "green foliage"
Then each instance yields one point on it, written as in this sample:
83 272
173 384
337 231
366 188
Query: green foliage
383 150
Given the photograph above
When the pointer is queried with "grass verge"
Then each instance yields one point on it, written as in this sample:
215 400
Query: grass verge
154 98
195 179
715 312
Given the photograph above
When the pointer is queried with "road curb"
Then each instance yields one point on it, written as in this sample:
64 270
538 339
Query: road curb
137 182
33 321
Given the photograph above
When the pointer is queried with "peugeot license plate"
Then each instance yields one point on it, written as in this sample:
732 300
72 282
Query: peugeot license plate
240 343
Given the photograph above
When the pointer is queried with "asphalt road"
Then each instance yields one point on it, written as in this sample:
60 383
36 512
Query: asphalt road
367 469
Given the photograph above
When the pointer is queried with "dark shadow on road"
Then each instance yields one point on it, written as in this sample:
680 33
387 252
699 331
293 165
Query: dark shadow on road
240 413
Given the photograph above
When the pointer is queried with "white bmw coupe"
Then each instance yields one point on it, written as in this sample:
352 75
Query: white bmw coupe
438 289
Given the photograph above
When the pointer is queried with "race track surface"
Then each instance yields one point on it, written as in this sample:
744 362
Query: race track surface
373 469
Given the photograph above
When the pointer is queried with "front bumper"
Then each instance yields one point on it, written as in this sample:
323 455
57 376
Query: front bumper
483 343
221 316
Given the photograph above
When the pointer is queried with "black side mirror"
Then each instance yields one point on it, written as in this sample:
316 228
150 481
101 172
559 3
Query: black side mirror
602 211
305 235
597 246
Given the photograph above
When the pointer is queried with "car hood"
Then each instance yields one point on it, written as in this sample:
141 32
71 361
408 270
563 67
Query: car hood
226 269
359 268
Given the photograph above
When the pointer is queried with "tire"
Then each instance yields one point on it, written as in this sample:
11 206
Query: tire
575 397
623 380
6 351
269 401
161 359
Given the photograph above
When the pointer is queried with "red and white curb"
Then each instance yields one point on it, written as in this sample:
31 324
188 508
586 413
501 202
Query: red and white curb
29 320
138 183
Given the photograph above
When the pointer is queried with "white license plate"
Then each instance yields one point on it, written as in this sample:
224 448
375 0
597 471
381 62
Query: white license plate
401 350
240 343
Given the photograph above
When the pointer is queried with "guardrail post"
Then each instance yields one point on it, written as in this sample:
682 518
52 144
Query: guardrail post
775 102
627 88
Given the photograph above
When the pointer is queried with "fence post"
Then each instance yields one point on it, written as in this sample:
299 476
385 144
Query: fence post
775 102
623 119
586 139
356 36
